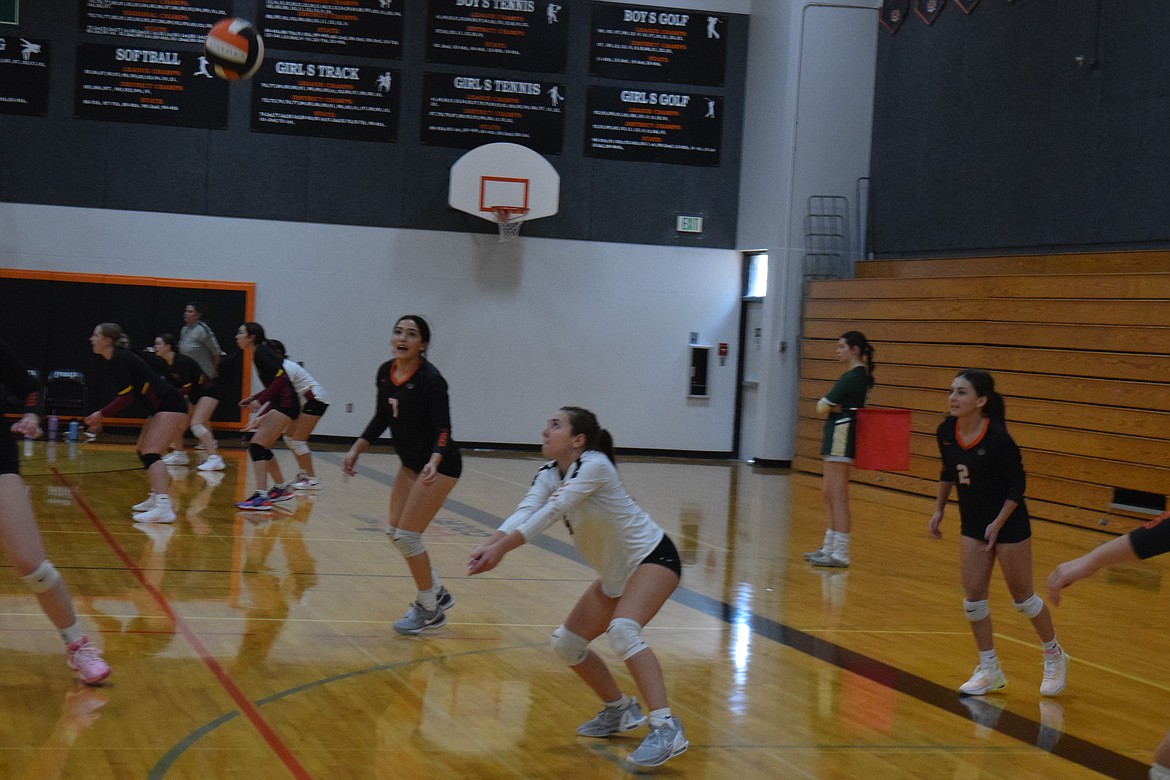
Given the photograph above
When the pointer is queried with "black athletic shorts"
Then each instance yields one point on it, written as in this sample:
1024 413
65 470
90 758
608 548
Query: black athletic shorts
450 466
314 407
665 554
9 457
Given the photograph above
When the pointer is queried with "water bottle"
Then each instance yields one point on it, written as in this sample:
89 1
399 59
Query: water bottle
53 425
74 428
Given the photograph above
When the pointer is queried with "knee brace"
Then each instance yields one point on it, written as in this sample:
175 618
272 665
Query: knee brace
43 577
199 429
569 647
1030 607
256 453
625 637
149 459
409 543
976 610
298 446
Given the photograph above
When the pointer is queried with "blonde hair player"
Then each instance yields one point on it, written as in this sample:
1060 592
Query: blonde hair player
638 565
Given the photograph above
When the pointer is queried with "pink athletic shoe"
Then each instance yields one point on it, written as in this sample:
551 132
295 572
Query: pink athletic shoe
86 660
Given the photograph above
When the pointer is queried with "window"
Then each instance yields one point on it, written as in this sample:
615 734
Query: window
755 276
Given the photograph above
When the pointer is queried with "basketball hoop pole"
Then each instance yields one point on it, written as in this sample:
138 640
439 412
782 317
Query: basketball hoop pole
508 220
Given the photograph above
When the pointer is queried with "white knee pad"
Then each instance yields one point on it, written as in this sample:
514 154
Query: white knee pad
625 637
1030 606
569 647
298 446
409 543
200 430
976 610
43 577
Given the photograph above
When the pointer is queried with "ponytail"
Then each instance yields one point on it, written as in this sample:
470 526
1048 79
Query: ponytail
114 333
856 338
583 421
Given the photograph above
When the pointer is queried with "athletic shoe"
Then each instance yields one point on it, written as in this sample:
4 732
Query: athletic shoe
258 502
418 619
821 558
1055 671
278 494
985 679
307 483
143 506
808 556
176 458
161 512
445 599
213 463
613 720
86 660
661 744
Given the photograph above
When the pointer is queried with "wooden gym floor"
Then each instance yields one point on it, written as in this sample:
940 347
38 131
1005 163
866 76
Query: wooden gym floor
259 645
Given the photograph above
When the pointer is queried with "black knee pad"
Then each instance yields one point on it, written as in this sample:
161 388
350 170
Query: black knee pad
149 459
256 452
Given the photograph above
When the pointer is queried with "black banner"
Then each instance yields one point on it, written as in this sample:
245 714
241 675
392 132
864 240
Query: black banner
658 44
24 76
358 103
653 126
465 111
514 34
154 85
356 28
162 20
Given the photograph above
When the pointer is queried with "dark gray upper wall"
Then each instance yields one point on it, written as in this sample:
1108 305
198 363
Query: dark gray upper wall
990 137
60 160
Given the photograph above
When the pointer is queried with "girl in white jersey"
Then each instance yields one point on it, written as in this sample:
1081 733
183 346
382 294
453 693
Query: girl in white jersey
313 406
638 566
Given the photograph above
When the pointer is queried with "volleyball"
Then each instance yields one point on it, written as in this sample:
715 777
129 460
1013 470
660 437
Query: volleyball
234 49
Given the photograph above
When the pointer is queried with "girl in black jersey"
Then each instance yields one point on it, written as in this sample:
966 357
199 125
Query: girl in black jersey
168 415
1143 542
412 402
19 538
981 460
196 386
839 406
284 407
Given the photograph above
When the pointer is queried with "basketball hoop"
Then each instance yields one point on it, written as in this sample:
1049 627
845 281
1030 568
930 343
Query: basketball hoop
508 220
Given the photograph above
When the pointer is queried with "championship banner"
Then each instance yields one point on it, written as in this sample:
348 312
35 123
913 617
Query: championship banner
354 28
155 85
472 109
928 10
658 44
173 20
640 125
24 76
512 34
893 13
357 103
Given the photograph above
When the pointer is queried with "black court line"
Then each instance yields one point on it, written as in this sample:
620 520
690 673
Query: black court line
1031 732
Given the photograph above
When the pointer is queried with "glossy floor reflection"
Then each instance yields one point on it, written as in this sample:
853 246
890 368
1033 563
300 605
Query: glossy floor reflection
259 644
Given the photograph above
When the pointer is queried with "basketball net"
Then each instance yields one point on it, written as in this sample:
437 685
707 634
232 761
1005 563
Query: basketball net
508 220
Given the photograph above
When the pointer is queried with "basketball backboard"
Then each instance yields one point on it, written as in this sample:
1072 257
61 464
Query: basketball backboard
504 177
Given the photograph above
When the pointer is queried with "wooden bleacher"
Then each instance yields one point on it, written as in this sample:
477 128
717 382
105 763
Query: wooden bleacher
1079 346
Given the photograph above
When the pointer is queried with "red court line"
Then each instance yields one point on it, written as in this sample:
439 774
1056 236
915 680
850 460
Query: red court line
242 702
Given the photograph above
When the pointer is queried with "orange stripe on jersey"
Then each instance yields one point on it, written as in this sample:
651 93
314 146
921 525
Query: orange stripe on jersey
1156 521
444 434
984 425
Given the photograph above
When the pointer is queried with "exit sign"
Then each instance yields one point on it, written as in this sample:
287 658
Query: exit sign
687 224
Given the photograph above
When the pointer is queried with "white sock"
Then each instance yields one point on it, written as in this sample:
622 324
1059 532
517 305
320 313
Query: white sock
988 657
827 542
841 546
72 633
1052 646
621 701
660 716
429 599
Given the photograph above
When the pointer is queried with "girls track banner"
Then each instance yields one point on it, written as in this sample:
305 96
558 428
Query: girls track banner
357 103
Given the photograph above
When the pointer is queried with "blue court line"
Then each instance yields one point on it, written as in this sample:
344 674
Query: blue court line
1074 749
